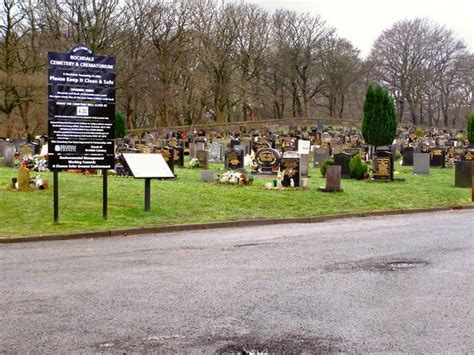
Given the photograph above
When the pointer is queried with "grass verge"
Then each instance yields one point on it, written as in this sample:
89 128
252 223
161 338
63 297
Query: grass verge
186 200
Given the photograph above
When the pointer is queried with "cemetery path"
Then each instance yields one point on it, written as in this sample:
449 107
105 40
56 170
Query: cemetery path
395 283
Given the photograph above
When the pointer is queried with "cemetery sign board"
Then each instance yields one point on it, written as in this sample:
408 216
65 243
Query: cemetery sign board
81 110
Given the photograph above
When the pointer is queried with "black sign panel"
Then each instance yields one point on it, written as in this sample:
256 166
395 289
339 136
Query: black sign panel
81 110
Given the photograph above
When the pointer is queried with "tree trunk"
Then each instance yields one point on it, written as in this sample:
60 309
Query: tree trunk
341 111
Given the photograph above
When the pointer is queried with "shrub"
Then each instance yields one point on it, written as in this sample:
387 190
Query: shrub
357 168
379 126
119 124
419 132
324 166
470 129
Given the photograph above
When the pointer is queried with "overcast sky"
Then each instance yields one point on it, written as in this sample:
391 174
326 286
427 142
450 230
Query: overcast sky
361 21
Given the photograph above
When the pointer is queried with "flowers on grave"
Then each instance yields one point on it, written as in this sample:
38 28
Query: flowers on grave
34 163
249 161
193 163
36 183
235 178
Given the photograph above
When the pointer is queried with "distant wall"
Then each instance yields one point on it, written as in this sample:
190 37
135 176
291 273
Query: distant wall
235 126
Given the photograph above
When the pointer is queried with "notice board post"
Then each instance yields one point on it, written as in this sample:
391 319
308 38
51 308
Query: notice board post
81 115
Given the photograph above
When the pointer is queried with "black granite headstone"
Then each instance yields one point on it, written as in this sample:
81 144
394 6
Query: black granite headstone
343 160
383 166
267 159
234 159
178 155
438 157
407 155
463 173
168 156
290 167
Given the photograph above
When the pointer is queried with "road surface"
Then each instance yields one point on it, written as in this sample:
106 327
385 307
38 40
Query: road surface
384 284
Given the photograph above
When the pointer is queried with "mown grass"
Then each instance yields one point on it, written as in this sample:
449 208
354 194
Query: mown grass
187 200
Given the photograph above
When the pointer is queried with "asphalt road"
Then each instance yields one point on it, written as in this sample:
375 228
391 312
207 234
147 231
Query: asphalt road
385 284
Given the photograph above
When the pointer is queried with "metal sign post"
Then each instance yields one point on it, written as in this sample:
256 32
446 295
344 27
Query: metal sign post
148 166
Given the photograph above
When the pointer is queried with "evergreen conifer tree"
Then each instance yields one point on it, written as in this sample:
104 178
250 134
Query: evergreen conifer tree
470 129
379 126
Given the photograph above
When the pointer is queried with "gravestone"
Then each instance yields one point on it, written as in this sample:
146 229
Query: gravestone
438 157
234 142
9 154
343 160
178 153
216 152
304 146
192 150
241 147
320 155
246 145
468 155
304 165
173 142
234 159
337 149
202 156
463 173
168 156
421 163
458 153
291 169
200 145
23 179
383 164
267 159
260 144
407 155
333 179
208 176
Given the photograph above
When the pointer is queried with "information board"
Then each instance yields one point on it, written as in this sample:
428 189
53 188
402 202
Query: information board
145 166
81 110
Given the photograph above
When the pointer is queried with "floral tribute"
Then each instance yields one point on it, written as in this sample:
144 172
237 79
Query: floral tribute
235 178
193 163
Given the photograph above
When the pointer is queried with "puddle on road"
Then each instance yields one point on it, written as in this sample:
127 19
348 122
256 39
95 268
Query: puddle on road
294 344
383 265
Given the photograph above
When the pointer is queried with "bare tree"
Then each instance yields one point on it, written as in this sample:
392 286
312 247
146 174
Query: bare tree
298 38
406 57
339 64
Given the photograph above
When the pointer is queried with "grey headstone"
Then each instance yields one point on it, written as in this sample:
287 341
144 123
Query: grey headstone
202 157
333 177
246 146
320 155
192 150
200 146
216 152
291 154
304 165
207 176
421 163
9 154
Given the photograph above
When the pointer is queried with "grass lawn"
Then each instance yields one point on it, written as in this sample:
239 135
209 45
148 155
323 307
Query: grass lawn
186 200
